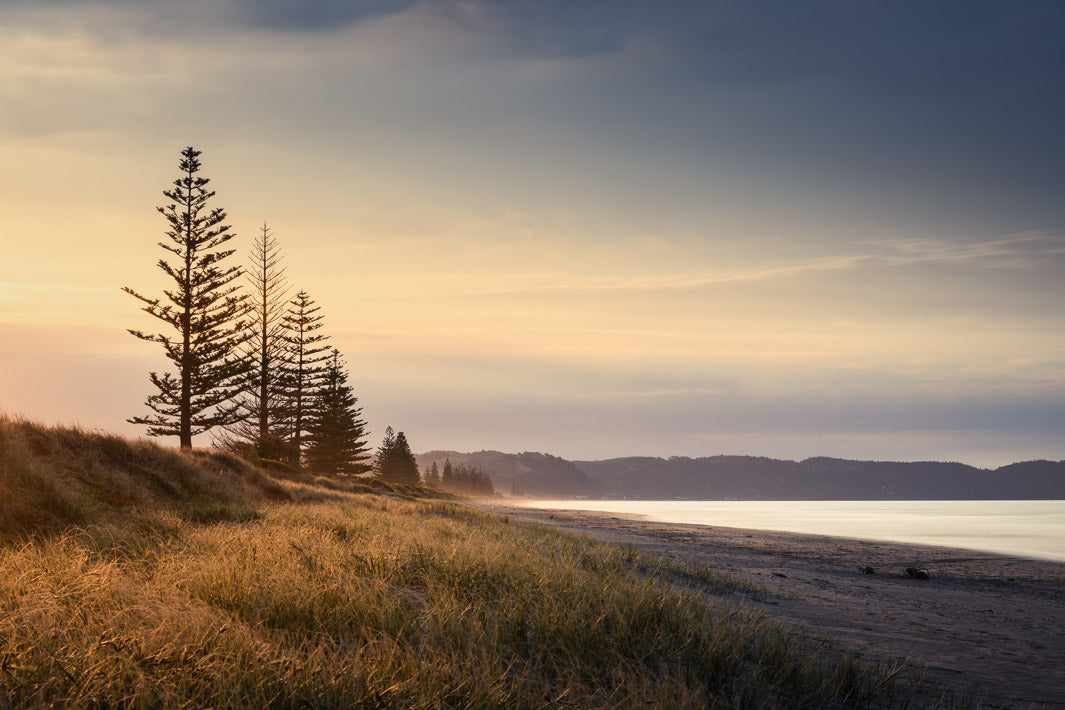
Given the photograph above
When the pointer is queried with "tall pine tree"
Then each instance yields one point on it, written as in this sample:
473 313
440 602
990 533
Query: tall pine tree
204 310
336 434
264 400
303 367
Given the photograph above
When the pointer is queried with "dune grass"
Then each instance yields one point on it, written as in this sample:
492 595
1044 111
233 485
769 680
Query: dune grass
141 577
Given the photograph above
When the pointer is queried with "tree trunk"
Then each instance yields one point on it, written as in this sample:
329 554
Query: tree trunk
185 406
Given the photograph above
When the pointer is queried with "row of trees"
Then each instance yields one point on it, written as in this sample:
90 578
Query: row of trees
250 364
458 479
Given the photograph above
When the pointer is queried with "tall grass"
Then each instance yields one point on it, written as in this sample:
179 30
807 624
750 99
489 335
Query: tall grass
336 598
54 478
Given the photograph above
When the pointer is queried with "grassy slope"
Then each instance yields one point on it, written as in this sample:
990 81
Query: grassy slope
137 576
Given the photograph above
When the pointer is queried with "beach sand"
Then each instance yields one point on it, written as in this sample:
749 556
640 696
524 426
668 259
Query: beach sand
983 623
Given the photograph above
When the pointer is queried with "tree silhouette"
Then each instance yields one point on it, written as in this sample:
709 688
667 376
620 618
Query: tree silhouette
384 451
263 402
303 367
470 480
431 476
336 434
395 462
204 308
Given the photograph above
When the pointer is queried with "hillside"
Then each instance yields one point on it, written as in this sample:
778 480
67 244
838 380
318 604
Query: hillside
753 478
52 479
55 479
748 478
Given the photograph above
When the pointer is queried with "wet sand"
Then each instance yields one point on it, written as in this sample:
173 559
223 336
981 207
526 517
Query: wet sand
984 623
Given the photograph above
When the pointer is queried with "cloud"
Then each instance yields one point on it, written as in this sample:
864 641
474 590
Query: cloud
313 15
562 29
1032 250
647 283
1026 250
194 15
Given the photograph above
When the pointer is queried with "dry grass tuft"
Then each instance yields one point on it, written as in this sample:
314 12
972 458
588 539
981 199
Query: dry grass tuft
54 478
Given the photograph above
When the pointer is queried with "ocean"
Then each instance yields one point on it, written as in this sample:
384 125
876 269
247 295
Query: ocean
1025 528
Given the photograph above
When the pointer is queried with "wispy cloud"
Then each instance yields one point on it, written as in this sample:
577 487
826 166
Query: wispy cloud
1024 250
565 282
282 15
671 392
1019 251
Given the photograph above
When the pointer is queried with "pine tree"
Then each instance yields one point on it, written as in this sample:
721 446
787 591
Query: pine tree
204 308
395 462
431 477
336 434
264 400
303 367
467 479
385 452
406 470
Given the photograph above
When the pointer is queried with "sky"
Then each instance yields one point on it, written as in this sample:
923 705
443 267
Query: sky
593 229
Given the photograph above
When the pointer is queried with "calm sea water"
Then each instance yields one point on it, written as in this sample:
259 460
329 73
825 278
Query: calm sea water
1028 528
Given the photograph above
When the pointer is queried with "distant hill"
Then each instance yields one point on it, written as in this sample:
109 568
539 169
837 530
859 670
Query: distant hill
751 478
754 478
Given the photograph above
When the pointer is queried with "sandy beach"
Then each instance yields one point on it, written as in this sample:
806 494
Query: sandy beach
989 624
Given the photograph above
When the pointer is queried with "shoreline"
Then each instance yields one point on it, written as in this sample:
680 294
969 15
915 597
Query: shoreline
987 623
957 524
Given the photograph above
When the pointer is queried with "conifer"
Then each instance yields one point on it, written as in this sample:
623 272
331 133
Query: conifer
395 462
303 367
336 434
431 477
263 401
204 310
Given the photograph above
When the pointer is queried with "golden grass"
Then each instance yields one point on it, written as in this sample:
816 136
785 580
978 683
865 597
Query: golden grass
297 595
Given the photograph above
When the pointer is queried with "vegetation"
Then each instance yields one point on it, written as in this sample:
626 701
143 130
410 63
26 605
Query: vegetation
53 481
303 367
137 576
263 401
266 382
336 433
203 310
431 476
460 478
395 463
